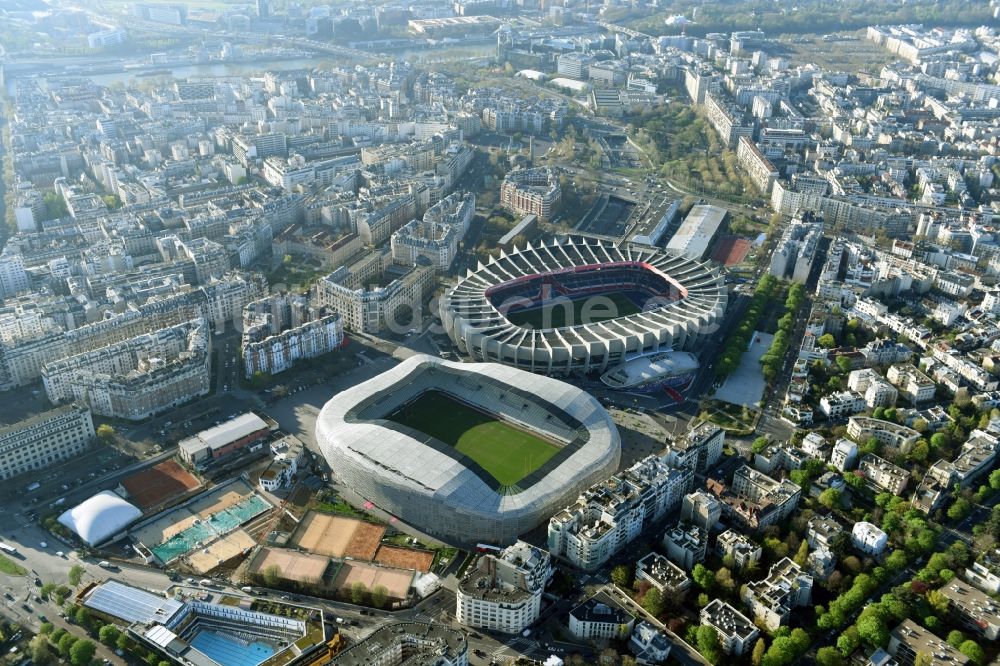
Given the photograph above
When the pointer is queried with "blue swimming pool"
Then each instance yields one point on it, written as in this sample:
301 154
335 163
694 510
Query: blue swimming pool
230 651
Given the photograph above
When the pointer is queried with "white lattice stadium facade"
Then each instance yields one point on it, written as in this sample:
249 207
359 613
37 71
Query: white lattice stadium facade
436 489
683 301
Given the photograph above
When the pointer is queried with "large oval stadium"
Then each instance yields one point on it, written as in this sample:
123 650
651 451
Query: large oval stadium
579 304
467 452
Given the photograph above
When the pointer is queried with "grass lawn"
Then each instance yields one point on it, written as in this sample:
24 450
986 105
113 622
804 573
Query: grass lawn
10 567
507 453
570 313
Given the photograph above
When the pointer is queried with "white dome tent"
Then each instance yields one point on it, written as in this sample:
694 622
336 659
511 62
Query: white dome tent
98 518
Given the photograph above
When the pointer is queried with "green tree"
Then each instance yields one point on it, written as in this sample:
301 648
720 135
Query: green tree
826 341
46 628
973 651
849 641
759 648
708 644
105 432
830 498
82 652
703 577
828 656
66 644
802 554
872 629
359 592
959 509
109 634
759 444
955 638
652 601
75 574
995 479
622 576
40 651
272 575
896 561
379 596
82 617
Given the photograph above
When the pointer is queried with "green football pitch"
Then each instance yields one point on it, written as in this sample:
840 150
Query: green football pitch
507 453
565 312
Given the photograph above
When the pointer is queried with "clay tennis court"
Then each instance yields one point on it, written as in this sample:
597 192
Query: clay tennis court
298 567
405 558
730 250
220 551
396 582
338 536
162 482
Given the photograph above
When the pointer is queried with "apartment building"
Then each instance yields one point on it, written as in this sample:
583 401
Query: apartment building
13 276
976 458
662 574
972 609
772 600
868 538
282 329
44 440
760 169
686 545
699 449
886 432
503 592
727 120
701 508
610 514
221 302
739 547
914 386
600 617
531 192
840 404
883 474
435 237
370 309
755 500
876 391
908 639
736 631
823 532
139 377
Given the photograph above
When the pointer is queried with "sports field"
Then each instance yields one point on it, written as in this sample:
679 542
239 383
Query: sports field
507 453
565 312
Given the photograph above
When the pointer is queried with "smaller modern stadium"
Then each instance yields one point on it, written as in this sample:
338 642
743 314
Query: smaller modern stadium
580 304
462 451
653 372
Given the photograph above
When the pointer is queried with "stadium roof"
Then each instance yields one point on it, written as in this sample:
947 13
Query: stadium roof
131 604
372 454
100 517
696 300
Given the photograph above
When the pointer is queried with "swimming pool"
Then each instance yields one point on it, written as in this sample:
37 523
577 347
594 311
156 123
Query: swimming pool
229 651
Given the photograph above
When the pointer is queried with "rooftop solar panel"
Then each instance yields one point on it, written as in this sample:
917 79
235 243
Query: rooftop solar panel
130 604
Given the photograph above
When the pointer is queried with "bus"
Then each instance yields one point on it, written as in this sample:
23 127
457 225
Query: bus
10 550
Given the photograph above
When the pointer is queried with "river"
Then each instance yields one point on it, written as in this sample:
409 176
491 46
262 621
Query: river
249 68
